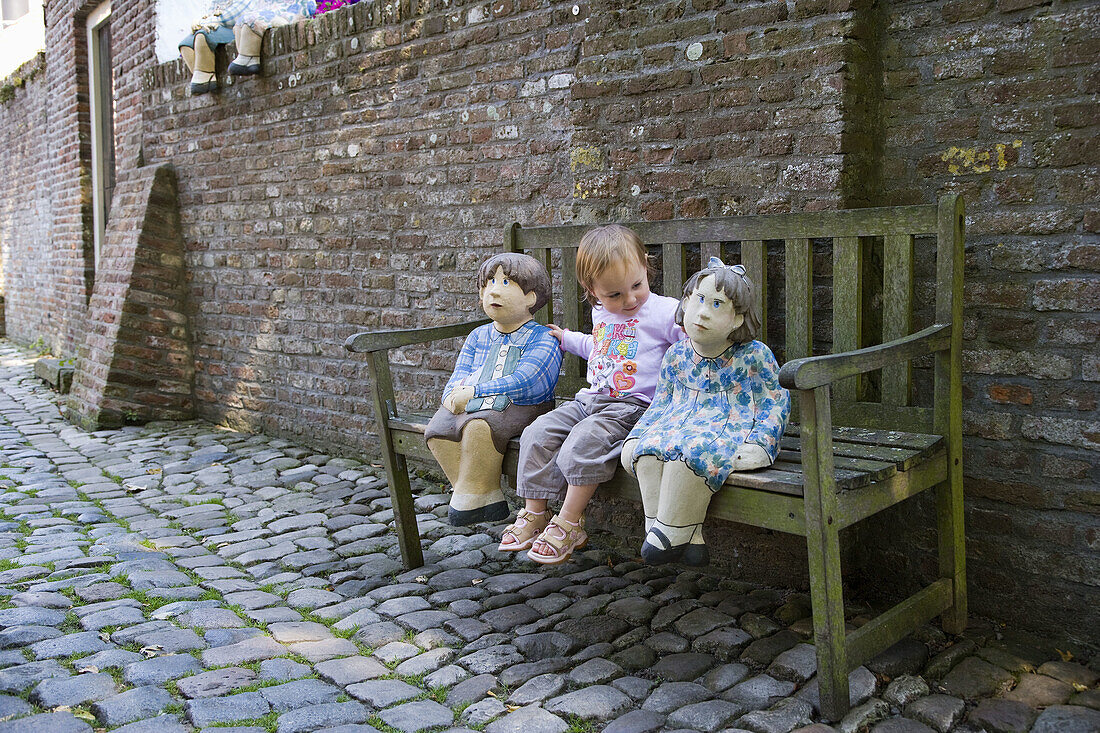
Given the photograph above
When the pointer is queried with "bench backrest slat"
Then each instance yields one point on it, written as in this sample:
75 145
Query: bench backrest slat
855 237
847 306
897 312
814 225
754 256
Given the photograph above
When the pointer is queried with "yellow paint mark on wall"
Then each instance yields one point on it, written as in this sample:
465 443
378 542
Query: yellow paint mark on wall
961 161
588 157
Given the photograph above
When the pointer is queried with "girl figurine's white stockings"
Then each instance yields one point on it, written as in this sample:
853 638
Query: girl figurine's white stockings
675 502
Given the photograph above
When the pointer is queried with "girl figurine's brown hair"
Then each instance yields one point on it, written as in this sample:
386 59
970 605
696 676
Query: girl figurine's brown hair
732 281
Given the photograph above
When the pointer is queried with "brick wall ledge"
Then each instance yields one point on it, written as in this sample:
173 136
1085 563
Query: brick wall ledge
22 75
342 23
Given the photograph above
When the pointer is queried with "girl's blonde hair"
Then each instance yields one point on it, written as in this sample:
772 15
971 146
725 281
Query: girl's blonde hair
603 246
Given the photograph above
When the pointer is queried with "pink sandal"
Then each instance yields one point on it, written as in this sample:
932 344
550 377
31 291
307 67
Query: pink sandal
523 531
562 537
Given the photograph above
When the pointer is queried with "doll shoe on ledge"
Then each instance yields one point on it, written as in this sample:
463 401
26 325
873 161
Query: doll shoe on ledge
521 534
245 66
204 88
562 537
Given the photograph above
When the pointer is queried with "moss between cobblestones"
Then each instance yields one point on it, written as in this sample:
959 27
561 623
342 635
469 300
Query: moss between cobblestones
6 564
378 723
580 725
71 624
269 722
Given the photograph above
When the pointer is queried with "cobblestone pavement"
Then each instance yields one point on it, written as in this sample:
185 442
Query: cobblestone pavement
179 577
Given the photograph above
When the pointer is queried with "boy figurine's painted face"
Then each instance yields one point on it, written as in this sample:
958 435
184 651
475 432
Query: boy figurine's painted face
622 288
504 301
710 318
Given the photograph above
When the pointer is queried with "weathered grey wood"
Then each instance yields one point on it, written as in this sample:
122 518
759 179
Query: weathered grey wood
571 301
823 552
815 225
799 306
799 298
892 626
948 407
864 502
894 438
816 371
372 341
897 318
674 265
708 250
902 458
876 414
754 256
847 308
397 471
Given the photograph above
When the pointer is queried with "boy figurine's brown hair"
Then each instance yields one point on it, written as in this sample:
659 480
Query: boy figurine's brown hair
528 273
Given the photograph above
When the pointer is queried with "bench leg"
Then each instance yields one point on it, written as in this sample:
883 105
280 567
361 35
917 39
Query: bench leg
952 550
397 469
823 549
826 594
404 515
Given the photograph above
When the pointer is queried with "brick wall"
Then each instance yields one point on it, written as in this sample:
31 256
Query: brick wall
998 101
48 265
25 203
357 183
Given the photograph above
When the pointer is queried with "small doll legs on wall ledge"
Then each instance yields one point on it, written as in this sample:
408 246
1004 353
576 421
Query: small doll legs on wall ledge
718 408
242 22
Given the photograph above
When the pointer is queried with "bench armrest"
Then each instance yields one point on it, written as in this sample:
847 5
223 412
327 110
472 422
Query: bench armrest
371 341
816 371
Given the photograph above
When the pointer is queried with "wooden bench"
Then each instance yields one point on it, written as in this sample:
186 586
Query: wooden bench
857 442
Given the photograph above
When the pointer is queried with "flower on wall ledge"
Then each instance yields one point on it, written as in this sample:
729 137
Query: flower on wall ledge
324 6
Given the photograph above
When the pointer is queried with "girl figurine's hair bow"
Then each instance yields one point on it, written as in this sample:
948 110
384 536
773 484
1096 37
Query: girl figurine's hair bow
716 263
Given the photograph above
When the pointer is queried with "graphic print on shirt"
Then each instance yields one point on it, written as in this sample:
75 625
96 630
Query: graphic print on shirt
612 365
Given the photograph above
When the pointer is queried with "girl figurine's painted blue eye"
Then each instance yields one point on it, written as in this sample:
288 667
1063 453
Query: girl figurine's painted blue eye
504 282
717 304
701 298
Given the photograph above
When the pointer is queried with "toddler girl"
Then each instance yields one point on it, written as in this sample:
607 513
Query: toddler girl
574 448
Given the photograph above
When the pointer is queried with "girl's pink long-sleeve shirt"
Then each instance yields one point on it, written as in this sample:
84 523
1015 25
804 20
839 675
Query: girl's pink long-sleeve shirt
624 352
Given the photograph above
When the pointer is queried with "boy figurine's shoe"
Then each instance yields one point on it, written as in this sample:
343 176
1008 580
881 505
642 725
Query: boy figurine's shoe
245 66
489 513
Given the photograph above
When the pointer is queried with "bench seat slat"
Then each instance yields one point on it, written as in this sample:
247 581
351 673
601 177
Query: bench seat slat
860 458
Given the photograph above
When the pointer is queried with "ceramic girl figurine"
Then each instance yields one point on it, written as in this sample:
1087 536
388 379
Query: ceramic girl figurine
504 379
241 21
718 408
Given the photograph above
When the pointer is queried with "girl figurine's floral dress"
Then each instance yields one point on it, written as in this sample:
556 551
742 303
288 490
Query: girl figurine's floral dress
705 409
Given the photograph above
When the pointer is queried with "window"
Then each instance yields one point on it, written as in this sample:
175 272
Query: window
101 93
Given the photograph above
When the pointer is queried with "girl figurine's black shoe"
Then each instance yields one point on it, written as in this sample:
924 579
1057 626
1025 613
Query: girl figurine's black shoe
209 86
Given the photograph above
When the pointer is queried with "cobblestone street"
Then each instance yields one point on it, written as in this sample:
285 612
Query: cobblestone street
180 577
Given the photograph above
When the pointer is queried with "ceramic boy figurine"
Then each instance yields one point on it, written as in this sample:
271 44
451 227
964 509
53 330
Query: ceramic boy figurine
504 378
718 408
241 21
